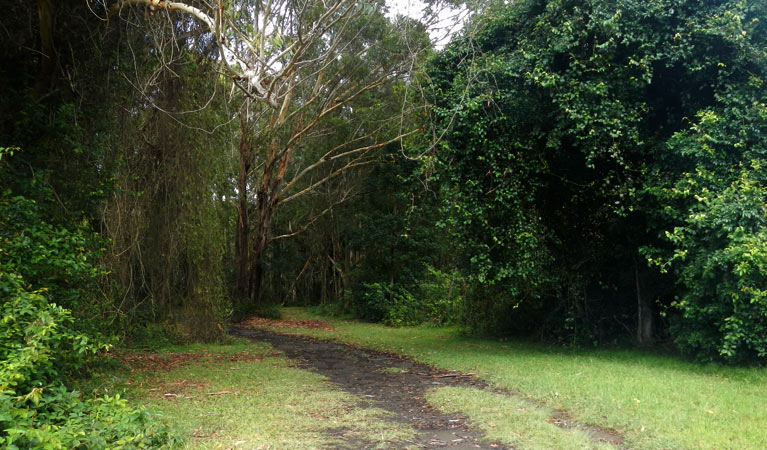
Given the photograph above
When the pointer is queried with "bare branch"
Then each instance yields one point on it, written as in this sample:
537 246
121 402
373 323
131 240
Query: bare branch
326 159
354 163
308 224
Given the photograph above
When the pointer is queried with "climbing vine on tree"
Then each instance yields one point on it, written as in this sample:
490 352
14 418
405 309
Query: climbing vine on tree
584 139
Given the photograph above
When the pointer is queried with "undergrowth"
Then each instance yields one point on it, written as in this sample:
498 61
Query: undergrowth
44 274
38 349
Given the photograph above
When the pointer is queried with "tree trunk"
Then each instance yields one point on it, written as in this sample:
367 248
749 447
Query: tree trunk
242 247
267 199
47 52
260 238
644 314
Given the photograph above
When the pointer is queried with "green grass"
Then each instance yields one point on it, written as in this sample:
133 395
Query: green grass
393 370
512 420
217 403
656 402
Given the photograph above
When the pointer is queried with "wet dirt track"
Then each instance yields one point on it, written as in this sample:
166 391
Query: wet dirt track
369 375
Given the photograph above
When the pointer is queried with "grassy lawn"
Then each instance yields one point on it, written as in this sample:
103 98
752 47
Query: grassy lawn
513 420
656 402
244 395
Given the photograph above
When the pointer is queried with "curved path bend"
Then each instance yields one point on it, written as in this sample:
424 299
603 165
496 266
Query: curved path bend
390 382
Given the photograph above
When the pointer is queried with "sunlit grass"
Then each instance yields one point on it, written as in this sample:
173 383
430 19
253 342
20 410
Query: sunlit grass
657 402
215 403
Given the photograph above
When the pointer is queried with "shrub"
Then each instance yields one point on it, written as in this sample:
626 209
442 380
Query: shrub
441 294
37 340
720 258
389 304
46 256
436 301
38 348
42 346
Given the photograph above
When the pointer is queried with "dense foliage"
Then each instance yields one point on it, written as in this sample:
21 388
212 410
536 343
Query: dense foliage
589 172
55 259
586 136
718 241
398 278
42 346
59 304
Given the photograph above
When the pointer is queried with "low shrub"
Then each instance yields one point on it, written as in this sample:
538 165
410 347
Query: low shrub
38 348
436 300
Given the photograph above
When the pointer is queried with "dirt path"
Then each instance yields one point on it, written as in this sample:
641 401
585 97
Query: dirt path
386 381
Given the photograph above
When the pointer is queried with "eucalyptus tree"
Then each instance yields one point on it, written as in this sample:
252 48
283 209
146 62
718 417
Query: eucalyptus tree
302 71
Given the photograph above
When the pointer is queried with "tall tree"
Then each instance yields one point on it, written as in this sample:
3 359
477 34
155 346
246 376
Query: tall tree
306 70
577 139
